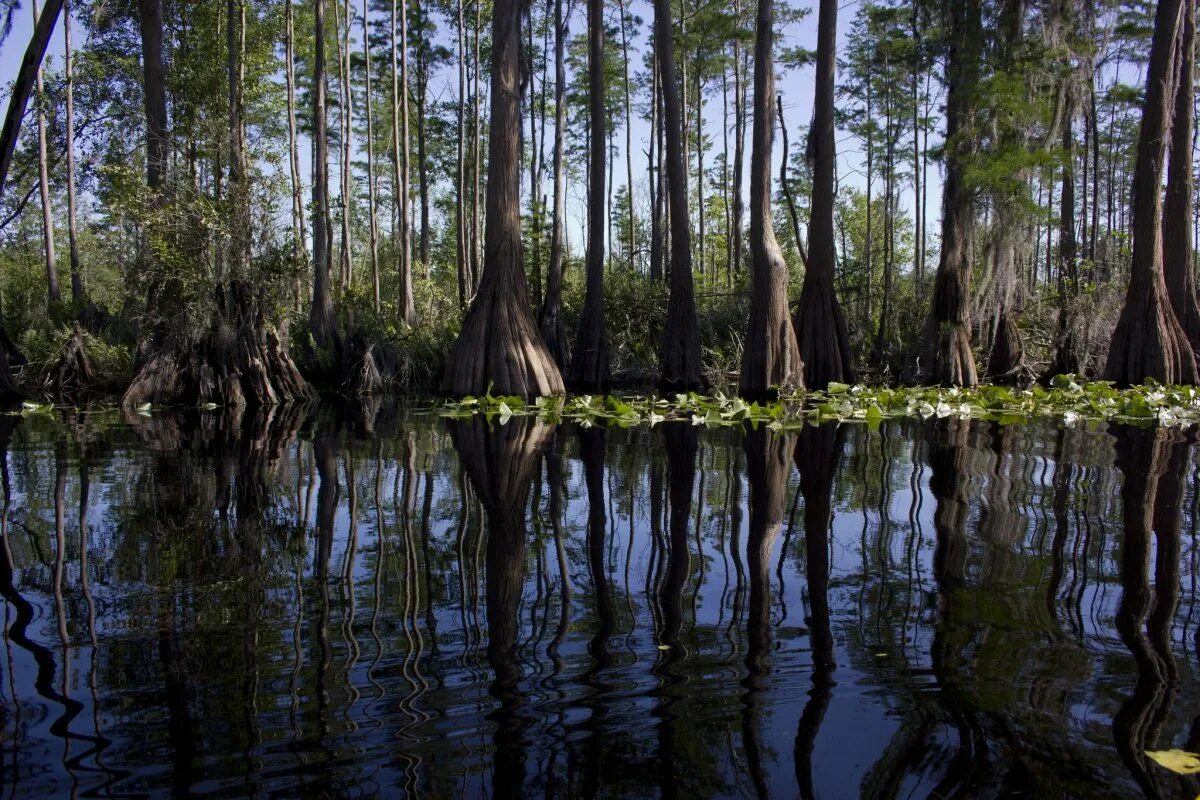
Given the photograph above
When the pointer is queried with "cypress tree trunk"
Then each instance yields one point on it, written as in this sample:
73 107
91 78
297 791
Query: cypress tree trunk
1178 256
1148 341
460 204
72 233
346 116
239 178
299 248
52 290
948 359
321 319
681 340
589 361
31 65
1066 360
499 344
628 137
408 308
820 325
771 357
371 204
550 321
739 141
657 184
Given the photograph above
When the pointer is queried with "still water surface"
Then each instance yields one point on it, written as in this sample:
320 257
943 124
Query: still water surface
385 603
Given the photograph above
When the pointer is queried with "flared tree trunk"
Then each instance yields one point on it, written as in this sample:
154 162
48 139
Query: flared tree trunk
550 321
321 319
771 358
1148 341
681 369
948 359
1178 255
499 345
589 369
820 324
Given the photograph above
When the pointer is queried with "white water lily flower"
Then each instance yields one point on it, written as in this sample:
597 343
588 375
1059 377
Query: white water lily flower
943 410
655 419
505 413
1069 417
697 420
925 409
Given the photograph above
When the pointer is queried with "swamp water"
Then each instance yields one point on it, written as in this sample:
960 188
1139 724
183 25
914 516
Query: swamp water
387 603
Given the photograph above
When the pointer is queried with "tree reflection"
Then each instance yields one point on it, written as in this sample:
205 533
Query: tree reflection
500 462
818 453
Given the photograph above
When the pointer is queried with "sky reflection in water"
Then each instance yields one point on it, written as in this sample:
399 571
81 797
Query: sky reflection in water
388 603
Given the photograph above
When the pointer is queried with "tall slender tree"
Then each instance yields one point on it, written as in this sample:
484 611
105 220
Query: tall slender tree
321 318
1148 341
681 368
820 325
299 248
948 359
372 213
771 357
408 310
550 322
52 290
589 362
499 345
72 231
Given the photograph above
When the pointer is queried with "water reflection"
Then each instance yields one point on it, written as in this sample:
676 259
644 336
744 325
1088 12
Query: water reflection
369 601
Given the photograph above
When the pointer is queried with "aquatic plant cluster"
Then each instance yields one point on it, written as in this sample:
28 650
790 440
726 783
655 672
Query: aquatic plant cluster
1065 399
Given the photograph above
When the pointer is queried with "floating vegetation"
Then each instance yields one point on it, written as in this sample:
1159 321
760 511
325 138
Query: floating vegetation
1065 400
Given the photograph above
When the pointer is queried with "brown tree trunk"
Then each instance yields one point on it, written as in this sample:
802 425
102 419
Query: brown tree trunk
948 358
346 117
408 311
1066 359
628 138
321 319
771 358
589 362
373 220
499 344
464 275
1148 341
239 169
1178 256
31 65
820 325
52 291
788 197
550 321
299 249
72 233
681 340
657 184
739 141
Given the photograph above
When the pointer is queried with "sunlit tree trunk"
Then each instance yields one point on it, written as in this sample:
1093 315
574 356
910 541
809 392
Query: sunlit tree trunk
1148 341
550 320
373 221
1178 255
299 248
321 319
52 290
499 345
408 308
589 361
771 357
72 233
820 325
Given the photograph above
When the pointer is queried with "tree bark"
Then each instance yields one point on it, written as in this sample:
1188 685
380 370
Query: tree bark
31 65
72 232
788 197
821 332
948 357
372 213
321 318
681 341
589 362
460 204
1178 256
299 248
628 138
739 139
345 196
1148 341
1066 359
499 345
239 168
771 357
408 308
550 321
52 291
